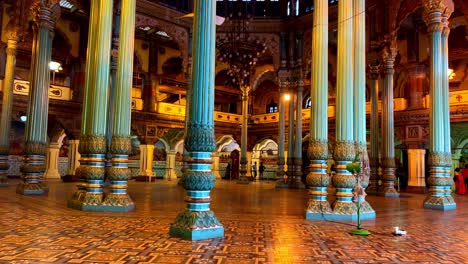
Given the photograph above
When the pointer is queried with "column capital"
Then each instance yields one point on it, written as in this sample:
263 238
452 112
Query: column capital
388 56
445 27
11 47
46 13
374 71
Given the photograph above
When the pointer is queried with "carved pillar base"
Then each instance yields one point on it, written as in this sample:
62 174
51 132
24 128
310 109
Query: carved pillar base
198 221
388 186
296 180
318 208
280 174
243 172
32 172
440 192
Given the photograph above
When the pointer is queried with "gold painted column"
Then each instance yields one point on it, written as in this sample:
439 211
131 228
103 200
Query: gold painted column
388 152
7 104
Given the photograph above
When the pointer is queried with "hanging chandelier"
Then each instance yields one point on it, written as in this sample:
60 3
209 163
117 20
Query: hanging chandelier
238 49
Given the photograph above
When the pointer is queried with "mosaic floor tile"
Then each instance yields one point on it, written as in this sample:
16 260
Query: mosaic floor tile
263 225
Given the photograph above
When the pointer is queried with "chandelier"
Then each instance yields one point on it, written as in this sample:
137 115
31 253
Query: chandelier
238 49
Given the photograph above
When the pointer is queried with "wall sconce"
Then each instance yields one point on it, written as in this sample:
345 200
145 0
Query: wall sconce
287 97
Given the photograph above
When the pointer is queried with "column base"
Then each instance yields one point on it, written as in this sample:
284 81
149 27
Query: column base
390 193
4 184
317 210
440 203
32 189
196 225
118 203
86 201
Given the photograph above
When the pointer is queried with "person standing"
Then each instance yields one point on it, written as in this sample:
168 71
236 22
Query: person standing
464 173
254 170
261 169
460 187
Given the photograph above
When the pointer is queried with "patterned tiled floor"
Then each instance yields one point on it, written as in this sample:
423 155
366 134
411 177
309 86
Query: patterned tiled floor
262 225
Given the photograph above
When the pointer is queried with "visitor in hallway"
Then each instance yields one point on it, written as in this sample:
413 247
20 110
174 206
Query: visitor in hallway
261 169
254 170
464 173
460 187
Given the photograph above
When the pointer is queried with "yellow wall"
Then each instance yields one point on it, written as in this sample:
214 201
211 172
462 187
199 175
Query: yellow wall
143 54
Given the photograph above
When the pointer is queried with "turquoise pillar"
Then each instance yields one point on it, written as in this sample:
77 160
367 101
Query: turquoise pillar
120 147
359 86
93 142
439 161
344 181
374 131
44 16
388 152
7 103
317 179
113 74
198 221
281 106
245 121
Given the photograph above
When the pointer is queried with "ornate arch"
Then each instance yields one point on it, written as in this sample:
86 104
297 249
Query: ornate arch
268 73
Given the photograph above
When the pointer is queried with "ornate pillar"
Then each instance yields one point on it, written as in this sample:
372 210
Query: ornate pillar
93 141
170 164
7 103
198 221
297 161
416 171
118 200
290 159
359 86
245 119
440 159
344 181
317 152
73 159
113 74
146 162
388 153
44 15
374 131
281 106
52 161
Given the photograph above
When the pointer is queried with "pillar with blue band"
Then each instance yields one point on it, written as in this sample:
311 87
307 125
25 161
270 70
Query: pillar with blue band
318 207
119 173
93 141
197 221
45 17
440 158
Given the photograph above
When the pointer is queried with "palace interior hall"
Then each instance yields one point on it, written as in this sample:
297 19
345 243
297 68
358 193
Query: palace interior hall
233 131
